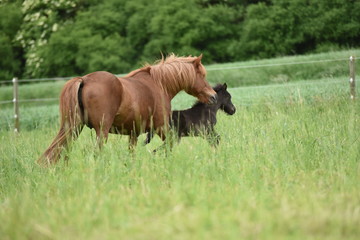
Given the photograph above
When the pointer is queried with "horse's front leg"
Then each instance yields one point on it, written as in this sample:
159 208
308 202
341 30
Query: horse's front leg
149 136
167 136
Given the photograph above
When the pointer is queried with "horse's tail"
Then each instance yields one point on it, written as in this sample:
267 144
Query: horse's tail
71 121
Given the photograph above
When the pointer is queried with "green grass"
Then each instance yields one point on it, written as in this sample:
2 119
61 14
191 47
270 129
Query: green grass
32 91
287 167
283 69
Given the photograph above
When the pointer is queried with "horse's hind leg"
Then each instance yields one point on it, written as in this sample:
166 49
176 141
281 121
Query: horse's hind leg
102 133
132 141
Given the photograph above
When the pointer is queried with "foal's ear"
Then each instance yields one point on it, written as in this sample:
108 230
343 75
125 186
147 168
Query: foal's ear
224 86
197 60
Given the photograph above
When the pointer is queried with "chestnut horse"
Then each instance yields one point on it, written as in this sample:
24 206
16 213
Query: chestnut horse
136 103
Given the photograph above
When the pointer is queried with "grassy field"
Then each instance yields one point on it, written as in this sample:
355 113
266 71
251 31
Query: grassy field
287 167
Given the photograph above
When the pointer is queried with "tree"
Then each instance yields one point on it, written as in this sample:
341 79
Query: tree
93 42
41 19
73 37
186 28
11 58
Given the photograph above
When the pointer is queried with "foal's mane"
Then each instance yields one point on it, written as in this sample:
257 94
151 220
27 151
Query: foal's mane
173 73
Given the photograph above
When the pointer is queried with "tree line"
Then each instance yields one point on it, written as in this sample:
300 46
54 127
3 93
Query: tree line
47 38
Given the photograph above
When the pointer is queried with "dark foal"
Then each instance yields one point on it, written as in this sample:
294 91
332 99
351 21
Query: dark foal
200 119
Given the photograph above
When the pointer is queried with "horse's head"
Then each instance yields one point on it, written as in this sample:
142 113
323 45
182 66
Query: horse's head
201 88
224 99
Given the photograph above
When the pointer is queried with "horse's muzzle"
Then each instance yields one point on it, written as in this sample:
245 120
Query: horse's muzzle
213 99
232 111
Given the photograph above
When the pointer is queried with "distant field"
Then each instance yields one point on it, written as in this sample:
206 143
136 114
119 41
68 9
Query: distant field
287 167
33 116
261 72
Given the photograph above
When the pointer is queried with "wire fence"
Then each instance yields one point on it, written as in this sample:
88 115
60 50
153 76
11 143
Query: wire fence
248 96
276 64
208 68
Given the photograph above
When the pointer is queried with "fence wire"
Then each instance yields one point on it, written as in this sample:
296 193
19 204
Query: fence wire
208 68
274 64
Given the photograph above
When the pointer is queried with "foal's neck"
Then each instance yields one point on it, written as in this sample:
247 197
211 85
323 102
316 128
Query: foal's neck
203 106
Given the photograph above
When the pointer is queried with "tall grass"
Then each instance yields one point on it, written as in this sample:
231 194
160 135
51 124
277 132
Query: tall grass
287 167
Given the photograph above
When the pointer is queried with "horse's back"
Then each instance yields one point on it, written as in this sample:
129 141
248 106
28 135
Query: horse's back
100 86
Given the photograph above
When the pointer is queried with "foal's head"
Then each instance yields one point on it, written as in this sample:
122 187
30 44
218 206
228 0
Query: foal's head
224 99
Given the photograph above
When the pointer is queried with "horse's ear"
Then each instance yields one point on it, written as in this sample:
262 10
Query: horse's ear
147 68
197 60
225 86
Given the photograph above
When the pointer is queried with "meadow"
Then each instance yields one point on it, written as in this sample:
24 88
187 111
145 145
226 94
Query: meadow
287 167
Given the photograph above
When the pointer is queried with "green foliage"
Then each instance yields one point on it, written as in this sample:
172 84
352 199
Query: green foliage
41 19
91 52
73 37
93 42
296 27
10 21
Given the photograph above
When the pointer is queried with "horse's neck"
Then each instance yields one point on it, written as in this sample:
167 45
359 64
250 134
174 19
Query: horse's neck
171 91
175 87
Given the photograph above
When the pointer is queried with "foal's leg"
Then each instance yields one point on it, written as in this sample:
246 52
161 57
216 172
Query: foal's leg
213 138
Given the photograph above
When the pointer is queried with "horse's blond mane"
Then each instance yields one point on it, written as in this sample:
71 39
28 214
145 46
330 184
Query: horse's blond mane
173 73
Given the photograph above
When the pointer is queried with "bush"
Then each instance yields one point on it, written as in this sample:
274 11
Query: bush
62 38
10 21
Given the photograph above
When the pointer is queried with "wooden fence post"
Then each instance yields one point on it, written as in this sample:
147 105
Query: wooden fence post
352 78
16 105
